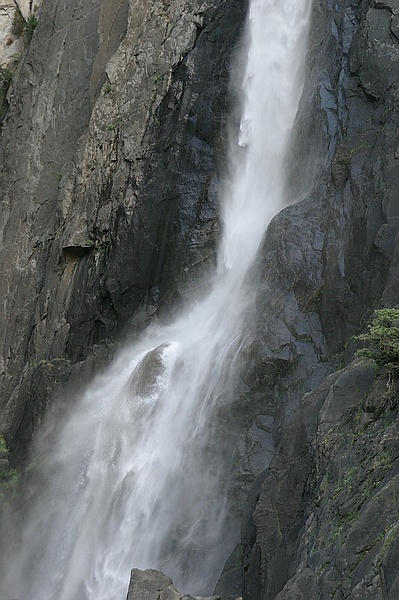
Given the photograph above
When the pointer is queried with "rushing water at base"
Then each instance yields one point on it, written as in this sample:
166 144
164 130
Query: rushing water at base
136 477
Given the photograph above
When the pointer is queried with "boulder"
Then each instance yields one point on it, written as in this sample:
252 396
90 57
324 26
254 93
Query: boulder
150 584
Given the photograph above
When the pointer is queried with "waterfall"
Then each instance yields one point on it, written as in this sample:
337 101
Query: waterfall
137 475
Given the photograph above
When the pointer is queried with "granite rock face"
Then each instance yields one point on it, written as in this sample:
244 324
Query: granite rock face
325 523
108 181
322 521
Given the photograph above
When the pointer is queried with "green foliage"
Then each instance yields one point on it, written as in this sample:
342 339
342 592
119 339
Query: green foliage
5 76
5 81
30 26
8 485
3 443
24 26
8 479
383 340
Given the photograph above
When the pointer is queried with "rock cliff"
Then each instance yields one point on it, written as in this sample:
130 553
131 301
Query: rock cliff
111 154
323 520
109 178
325 523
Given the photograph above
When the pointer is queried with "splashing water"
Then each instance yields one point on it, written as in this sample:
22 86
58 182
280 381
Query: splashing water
137 476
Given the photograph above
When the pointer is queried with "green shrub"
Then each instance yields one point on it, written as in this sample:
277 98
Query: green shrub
24 26
30 26
383 340
5 81
5 76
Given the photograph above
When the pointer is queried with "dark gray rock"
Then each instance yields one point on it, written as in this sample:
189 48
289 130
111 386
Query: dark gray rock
326 519
230 583
374 53
325 264
108 178
4 466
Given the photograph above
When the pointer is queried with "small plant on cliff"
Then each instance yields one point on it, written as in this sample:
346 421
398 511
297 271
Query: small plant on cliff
5 76
383 340
23 26
5 81
30 26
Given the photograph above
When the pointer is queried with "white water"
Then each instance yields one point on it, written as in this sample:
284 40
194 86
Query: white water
136 478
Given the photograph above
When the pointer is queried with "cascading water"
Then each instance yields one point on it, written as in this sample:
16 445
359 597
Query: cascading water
136 477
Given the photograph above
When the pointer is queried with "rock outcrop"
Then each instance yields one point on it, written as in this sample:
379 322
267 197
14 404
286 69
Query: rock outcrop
17 21
150 584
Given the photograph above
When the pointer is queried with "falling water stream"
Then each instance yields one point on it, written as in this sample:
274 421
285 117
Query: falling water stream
136 477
